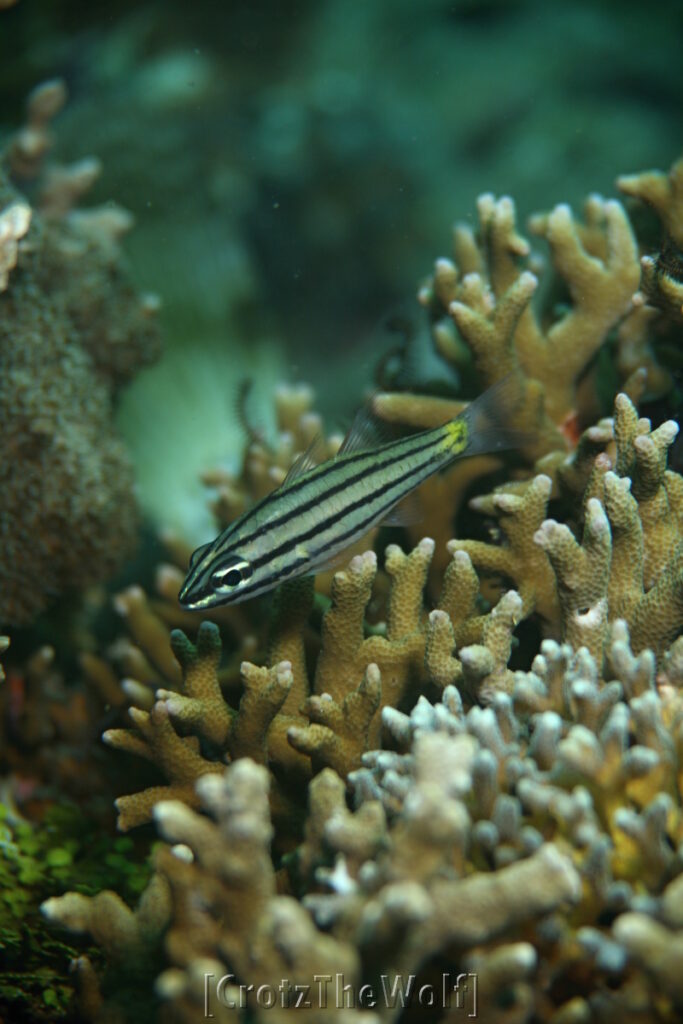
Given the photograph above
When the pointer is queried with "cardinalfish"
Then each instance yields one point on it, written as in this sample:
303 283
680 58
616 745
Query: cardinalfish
318 511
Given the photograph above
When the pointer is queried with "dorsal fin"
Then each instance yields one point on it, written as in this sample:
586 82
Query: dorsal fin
365 433
303 462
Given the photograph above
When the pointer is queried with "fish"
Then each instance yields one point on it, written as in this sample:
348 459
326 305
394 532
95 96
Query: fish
308 521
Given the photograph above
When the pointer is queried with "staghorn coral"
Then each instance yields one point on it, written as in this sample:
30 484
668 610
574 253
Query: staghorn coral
628 563
72 330
663 192
481 310
484 295
647 337
532 843
622 568
533 840
188 728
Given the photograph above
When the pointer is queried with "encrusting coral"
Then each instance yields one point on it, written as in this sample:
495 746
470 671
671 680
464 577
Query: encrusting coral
72 330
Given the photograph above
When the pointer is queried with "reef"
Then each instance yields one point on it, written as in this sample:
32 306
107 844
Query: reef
72 332
530 844
460 759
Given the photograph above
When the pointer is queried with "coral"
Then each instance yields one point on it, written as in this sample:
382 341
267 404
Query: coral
661 295
628 563
663 192
49 729
531 844
71 331
487 290
188 728
481 312
125 935
464 815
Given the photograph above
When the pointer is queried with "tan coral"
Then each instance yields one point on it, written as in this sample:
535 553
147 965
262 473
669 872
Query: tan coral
488 295
125 935
178 757
562 798
543 805
260 936
199 707
518 558
479 669
582 573
339 734
601 291
346 651
630 562
662 273
663 192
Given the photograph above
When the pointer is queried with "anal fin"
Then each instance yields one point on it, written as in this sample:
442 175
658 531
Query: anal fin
406 513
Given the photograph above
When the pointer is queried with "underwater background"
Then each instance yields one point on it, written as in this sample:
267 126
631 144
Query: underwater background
462 752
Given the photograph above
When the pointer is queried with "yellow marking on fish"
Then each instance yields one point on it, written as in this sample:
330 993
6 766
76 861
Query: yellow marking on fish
457 436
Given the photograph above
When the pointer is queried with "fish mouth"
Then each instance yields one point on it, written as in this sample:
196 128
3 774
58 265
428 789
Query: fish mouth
194 604
185 599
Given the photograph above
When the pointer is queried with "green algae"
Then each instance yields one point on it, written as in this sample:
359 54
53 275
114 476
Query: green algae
65 851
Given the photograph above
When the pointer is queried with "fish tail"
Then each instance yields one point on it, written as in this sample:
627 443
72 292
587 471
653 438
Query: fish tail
488 422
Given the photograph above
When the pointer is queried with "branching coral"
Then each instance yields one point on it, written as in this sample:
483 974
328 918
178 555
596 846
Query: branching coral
190 729
658 306
71 330
628 562
487 292
524 827
481 303
663 192
554 814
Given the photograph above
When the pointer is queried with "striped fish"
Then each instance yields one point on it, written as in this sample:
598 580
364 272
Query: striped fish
304 525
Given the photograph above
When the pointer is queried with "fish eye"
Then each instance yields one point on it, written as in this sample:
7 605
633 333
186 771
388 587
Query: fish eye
231 576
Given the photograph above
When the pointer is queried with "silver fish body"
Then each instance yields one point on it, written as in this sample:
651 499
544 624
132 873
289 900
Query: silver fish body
303 525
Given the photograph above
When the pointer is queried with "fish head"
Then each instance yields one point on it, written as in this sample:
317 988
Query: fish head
225 571
213 581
